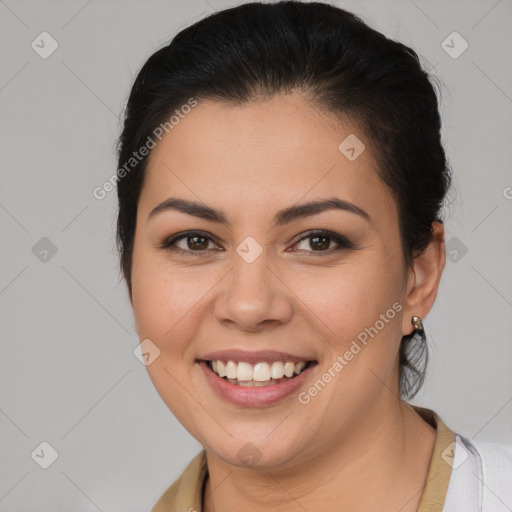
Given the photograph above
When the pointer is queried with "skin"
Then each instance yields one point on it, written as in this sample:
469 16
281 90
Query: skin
355 446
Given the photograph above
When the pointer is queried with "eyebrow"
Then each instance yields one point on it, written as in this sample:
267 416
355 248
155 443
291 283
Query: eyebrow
282 217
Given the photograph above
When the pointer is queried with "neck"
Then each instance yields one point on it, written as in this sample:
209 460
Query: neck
382 464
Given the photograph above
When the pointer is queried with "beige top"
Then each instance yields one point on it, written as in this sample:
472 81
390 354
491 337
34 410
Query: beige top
186 493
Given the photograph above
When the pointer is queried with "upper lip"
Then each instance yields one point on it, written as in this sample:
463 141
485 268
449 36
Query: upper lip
253 357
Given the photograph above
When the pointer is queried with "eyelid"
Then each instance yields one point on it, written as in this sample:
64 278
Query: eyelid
169 242
341 241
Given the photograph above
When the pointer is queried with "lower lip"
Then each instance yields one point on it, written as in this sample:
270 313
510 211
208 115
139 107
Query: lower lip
253 396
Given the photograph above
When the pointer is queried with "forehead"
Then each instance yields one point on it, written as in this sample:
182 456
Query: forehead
282 150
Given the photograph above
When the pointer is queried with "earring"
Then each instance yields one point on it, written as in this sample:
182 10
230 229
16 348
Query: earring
417 323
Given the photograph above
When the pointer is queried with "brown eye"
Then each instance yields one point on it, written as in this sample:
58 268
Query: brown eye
198 242
320 242
189 243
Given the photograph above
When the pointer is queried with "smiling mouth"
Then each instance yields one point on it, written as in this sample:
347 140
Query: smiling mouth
260 374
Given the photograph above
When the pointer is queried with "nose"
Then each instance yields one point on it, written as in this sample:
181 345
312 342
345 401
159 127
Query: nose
253 296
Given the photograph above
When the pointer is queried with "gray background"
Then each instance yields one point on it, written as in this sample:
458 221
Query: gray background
68 374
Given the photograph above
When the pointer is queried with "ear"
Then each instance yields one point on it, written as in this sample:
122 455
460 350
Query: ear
423 279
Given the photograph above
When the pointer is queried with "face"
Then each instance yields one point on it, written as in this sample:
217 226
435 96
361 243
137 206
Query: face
254 282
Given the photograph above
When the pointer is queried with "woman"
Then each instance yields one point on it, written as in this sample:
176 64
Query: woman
280 185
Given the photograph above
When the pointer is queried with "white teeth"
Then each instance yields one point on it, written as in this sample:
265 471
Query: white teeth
260 374
221 368
231 370
253 383
277 370
299 367
244 371
245 383
289 369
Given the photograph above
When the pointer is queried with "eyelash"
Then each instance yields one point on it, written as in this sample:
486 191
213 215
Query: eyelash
343 243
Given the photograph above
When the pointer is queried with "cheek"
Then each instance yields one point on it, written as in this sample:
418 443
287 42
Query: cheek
163 303
167 302
358 311
351 297
156 297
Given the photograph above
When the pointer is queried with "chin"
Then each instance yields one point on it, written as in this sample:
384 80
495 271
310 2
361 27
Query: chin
258 451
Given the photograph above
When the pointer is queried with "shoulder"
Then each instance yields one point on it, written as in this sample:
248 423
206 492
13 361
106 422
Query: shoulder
185 492
168 498
496 472
481 476
495 455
